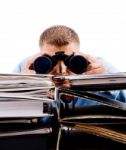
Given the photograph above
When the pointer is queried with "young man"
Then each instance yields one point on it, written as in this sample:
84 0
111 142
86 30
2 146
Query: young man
58 44
63 39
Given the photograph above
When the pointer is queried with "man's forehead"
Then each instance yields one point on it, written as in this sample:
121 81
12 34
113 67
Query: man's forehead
67 49
67 52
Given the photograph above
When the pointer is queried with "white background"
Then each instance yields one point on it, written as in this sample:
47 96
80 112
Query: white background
101 25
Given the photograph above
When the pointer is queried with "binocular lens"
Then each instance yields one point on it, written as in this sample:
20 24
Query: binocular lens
78 64
42 65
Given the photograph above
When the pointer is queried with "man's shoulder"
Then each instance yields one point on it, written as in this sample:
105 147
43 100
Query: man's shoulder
21 65
110 68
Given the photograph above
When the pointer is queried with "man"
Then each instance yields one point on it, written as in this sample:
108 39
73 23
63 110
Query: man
58 45
65 41
62 38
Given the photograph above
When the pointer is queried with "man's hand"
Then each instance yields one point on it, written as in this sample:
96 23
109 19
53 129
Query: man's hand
27 69
95 67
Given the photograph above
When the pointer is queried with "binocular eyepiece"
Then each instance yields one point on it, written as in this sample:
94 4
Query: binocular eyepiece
75 63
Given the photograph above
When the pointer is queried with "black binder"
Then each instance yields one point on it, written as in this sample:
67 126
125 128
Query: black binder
101 126
24 136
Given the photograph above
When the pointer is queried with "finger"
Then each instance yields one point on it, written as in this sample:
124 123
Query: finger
27 71
88 57
31 61
95 65
99 70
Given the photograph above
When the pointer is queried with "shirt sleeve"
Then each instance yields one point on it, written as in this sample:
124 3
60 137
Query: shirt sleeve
108 66
21 65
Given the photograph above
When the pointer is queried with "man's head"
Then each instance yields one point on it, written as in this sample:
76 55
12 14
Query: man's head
62 40
59 38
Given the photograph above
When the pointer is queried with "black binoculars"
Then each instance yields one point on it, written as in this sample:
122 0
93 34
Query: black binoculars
75 63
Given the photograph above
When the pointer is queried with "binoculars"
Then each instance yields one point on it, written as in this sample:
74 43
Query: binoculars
75 63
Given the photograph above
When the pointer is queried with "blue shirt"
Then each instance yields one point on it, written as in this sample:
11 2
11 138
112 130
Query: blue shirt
117 95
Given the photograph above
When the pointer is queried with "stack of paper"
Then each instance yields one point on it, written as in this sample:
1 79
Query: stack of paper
25 95
106 117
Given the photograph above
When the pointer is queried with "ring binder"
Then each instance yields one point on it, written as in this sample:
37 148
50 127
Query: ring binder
24 99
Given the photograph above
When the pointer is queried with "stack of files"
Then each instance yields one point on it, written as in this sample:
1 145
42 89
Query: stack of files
25 95
24 101
106 118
